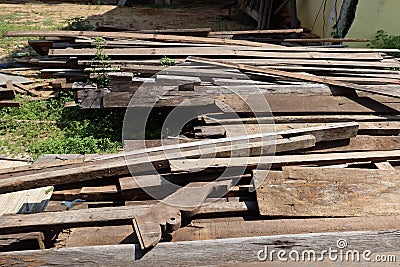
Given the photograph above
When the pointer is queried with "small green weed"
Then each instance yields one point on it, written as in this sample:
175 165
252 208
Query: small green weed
166 61
100 63
384 40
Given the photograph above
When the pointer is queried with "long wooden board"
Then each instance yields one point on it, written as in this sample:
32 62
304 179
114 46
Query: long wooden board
204 229
100 216
236 250
196 165
298 76
142 36
230 227
212 51
371 128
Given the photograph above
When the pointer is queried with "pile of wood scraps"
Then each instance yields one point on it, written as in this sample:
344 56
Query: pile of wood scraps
286 149
99 207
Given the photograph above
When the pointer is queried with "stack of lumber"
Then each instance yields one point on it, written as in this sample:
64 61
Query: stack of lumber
323 168
135 58
98 214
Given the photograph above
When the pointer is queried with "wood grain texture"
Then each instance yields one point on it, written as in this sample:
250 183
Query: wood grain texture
328 192
205 229
235 250
103 216
191 165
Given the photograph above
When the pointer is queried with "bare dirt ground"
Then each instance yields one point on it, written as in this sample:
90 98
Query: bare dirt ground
35 15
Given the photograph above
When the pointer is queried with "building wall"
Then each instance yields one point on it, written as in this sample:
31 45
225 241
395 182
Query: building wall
371 16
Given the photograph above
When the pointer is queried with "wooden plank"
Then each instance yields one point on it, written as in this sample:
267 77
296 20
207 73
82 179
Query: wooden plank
94 193
316 62
358 143
230 227
17 242
370 128
204 229
304 77
344 130
142 36
101 216
278 103
326 40
322 132
96 236
40 166
196 165
234 251
278 31
384 165
328 192
211 51
231 118
27 201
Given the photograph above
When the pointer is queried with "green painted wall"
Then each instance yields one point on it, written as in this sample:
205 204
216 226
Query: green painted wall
371 16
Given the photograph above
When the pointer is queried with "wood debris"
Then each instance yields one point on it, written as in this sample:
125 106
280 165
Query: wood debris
319 164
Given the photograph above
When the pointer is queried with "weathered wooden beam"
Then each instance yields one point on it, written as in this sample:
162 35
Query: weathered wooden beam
328 192
142 36
196 165
370 128
102 216
278 31
204 229
298 76
236 250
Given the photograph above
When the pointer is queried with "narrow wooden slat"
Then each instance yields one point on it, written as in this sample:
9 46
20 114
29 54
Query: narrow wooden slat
191 165
131 35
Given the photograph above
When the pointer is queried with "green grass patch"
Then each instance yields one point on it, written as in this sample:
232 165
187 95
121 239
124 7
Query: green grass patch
16 22
47 127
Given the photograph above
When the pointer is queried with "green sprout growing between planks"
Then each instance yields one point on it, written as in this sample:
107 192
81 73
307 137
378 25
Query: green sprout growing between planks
166 61
100 64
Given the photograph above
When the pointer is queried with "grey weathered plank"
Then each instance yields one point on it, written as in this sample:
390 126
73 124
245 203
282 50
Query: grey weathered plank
328 192
101 216
196 165
235 250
